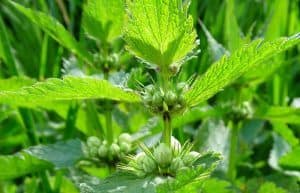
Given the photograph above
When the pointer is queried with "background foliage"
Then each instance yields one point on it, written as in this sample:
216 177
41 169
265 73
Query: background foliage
254 122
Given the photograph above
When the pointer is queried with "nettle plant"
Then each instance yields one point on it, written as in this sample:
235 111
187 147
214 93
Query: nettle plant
161 34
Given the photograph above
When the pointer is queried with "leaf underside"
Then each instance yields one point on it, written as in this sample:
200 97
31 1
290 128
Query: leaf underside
229 68
62 154
160 32
39 158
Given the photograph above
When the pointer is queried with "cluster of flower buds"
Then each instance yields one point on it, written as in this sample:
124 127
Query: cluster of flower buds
160 101
109 61
162 160
239 112
96 149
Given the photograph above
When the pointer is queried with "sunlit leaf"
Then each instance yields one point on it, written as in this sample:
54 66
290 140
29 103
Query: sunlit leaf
160 32
69 88
229 68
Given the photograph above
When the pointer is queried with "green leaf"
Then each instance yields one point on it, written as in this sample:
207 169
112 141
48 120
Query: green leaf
61 154
39 158
229 68
291 161
279 114
270 187
215 48
121 183
232 29
160 32
214 185
20 164
280 149
57 31
284 131
69 88
213 135
15 83
104 19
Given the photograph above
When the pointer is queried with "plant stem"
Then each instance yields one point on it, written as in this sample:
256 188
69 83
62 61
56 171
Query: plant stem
108 117
109 129
231 174
167 132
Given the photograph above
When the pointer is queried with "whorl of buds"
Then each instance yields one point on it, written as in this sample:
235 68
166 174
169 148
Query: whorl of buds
96 149
162 160
160 101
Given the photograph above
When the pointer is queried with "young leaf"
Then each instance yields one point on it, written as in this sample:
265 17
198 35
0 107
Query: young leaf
54 29
104 19
20 164
160 32
229 68
69 88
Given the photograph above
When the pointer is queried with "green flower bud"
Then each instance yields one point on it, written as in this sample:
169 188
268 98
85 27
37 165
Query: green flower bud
150 89
125 137
163 155
176 164
170 98
103 151
93 151
157 99
176 146
93 142
139 158
137 163
148 165
190 158
125 147
147 99
105 142
114 149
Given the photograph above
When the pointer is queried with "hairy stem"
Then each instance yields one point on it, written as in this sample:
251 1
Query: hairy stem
167 132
